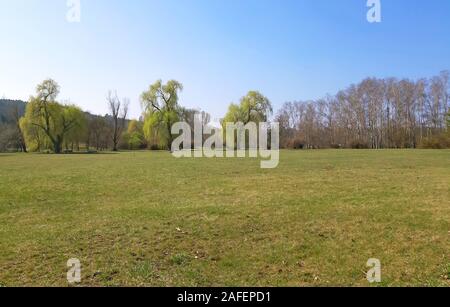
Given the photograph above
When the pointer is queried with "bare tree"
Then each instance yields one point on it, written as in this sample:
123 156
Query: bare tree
376 113
99 132
119 113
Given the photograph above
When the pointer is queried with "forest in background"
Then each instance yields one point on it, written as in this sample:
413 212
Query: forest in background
373 114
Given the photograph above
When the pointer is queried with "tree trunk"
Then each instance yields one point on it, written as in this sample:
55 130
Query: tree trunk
57 145
170 139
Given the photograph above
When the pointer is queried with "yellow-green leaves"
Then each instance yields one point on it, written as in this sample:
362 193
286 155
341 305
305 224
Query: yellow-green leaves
253 107
162 110
47 124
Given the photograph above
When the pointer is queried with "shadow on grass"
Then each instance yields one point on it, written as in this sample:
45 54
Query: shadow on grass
81 153
77 153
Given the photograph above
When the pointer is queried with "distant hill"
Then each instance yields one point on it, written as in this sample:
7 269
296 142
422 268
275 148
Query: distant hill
6 108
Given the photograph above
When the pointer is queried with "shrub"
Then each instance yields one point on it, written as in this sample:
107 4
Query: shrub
154 147
296 144
441 141
336 146
359 145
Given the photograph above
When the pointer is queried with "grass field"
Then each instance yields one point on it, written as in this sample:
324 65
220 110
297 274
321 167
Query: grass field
146 218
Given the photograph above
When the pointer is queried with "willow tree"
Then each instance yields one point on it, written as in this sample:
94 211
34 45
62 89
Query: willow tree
53 120
78 133
253 107
160 103
134 138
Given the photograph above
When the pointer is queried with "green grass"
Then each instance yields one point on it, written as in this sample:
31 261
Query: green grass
149 219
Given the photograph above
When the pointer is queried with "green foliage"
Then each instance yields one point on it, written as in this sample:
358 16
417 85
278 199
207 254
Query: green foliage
79 131
35 137
162 110
134 137
235 114
155 130
253 107
46 122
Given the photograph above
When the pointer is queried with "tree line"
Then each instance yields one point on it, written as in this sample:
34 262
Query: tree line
11 136
376 113
44 124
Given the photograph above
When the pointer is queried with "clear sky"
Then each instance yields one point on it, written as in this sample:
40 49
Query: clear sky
219 49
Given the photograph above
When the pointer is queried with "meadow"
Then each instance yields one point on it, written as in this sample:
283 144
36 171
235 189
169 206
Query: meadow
148 219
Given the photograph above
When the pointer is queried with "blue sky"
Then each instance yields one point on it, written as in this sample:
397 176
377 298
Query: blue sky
219 49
